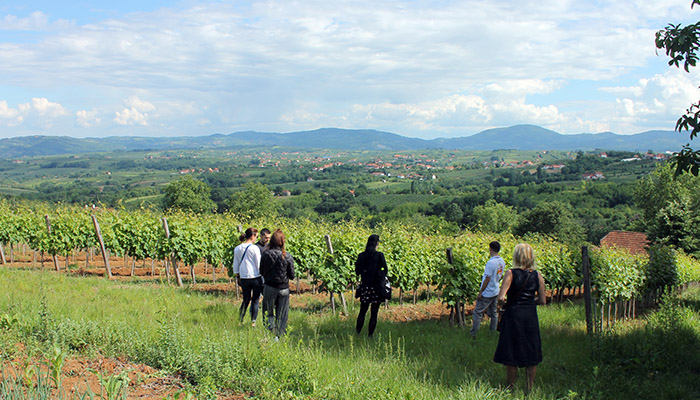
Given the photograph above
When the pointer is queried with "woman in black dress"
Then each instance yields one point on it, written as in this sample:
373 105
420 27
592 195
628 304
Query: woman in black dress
371 266
519 343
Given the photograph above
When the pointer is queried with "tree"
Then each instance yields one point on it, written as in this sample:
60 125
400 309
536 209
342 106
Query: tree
671 208
554 219
188 194
495 217
254 201
681 45
454 213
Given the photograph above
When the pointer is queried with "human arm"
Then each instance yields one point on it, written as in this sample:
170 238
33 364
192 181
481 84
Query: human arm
541 293
507 280
483 286
290 267
358 265
236 260
382 264
264 264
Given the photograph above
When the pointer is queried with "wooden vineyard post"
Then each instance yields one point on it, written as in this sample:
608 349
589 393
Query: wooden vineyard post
55 257
105 256
329 246
167 270
173 259
586 269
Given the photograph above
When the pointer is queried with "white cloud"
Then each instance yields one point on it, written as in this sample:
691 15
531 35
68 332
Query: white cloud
36 21
39 112
87 119
135 112
665 94
410 67
46 108
10 115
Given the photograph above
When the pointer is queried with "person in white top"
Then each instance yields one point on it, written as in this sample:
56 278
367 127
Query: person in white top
488 293
246 268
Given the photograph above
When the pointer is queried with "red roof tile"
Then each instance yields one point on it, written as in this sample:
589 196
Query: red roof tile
635 242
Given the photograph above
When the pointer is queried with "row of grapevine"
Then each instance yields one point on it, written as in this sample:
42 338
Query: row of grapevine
415 259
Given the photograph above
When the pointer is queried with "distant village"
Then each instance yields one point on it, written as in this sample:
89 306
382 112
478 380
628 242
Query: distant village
401 165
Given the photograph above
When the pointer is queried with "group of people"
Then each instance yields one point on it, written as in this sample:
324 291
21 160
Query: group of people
519 344
264 267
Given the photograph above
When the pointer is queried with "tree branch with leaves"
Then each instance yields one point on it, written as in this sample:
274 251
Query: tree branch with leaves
681 44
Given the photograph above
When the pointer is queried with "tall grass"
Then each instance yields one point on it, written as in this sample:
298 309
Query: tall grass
198 337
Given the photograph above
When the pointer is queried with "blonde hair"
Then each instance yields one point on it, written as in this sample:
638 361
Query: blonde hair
523 256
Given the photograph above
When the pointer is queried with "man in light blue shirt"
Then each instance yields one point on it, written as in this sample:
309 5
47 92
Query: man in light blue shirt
488 294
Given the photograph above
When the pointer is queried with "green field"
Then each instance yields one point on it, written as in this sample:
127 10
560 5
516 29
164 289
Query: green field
195 335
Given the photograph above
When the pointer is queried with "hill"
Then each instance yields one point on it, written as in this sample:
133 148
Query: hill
518 137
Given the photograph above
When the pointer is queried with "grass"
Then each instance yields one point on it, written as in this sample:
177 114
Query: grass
197 336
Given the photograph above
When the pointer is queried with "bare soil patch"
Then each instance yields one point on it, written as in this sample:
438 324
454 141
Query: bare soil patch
80 374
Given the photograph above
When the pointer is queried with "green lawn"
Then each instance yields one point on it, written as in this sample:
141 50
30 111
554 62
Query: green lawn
196 336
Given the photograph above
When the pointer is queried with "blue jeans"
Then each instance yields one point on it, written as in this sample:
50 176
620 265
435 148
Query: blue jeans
251 289
489 305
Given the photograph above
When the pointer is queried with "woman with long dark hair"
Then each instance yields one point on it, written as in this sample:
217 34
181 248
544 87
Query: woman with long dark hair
246 267
371 266
277 267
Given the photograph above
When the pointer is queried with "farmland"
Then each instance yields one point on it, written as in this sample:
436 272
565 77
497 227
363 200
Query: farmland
420 353
194 335
180 326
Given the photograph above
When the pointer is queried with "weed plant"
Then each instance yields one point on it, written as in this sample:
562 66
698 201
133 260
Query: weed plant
198 337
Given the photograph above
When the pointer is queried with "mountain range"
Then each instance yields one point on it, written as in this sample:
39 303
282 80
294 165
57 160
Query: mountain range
518 137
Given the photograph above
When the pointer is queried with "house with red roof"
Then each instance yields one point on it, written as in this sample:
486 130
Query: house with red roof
635 242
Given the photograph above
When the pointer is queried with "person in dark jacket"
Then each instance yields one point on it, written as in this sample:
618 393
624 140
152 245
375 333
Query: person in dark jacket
277 268
264 239
371 266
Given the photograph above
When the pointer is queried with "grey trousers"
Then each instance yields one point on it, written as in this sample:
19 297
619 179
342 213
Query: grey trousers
489 305
276 306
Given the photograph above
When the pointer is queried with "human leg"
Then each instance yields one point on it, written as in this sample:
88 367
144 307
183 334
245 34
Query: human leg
531 372
511 375
476 315
269 294
373 318
282 312
361 316
492 312
247 291
255 299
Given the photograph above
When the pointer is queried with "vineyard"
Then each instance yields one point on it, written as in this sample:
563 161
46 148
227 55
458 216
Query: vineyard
188 332
415 260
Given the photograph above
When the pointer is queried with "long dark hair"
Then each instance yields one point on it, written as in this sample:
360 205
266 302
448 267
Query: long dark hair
372 243
249 233
277 241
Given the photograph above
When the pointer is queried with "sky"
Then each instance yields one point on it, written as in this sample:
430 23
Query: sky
422 69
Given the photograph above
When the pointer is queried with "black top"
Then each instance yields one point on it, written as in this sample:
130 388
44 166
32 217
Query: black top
369 265
277 269
523 287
